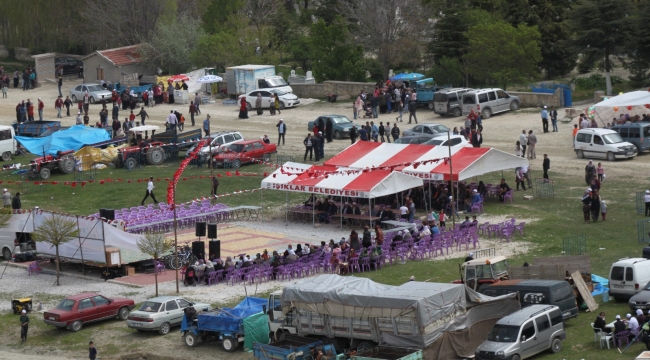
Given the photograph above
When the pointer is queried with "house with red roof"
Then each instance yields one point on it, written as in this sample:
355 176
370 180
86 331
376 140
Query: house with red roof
112 64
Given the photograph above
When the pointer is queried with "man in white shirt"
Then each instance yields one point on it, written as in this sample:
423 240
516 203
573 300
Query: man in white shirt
6 198
632 326
523 140
524 171
584 124
404 212
149 191
171 120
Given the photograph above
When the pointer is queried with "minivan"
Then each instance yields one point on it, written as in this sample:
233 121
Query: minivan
449 101
524 334
628 276
489 101
635 133
597 143
7 142
533 291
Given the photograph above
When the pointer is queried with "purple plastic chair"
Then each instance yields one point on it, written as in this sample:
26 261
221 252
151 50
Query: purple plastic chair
365 264
354 264
508 196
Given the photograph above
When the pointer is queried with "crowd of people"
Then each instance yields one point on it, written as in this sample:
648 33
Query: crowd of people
632 324
387 98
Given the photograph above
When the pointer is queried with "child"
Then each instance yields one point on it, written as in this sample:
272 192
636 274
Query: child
600 171
92 352
4 90
442 218
603 210
518 149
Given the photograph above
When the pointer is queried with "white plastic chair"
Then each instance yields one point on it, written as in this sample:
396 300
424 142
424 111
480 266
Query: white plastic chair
600 335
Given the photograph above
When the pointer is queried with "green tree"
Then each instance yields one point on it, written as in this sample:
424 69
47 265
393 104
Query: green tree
639 64
56 231
447 71
154 245
500 53
300 48
602 30
334 57
218 13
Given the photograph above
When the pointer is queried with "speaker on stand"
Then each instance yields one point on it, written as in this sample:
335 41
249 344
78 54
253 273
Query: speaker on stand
198 249
200 228
214 248
212 231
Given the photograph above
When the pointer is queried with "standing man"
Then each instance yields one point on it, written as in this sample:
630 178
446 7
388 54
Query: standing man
58 105
41 105
545 119
523 140
15 203
374 103
197 103
215 185
24 325
353 134
67 102
192 111
387 131
309 149
172 120
116 110
329 127
315 143
60 83
413 105
321 145
206 125
477 139
382 130
143 115
546 164
282 130
554 118
532 141
584 124
394 132
149 192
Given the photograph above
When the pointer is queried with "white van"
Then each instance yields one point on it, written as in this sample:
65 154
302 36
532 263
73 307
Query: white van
7 142
14 243
597 143
628 276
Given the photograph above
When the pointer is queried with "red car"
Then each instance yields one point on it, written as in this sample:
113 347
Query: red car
245 152
74 311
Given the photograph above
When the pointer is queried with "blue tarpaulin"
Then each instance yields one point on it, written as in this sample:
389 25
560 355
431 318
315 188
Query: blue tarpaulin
600 285
230 319
73 138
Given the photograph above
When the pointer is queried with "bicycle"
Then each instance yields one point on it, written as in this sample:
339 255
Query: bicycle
185 257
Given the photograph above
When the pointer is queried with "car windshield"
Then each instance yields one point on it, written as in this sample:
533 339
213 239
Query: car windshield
439 129
280 93
150 306
503 333
276 82
499 267
93 88
236 148
613 138
341 120
65 305
434 142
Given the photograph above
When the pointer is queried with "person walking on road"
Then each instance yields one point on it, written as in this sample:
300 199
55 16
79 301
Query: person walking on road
554 118
532 141
192 111
412 108
546 165
309 147
206 125
282 130
394 132
24 325
545 119
60 84
143 115
149 192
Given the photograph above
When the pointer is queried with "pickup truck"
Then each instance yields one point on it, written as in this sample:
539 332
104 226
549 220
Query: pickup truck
180 140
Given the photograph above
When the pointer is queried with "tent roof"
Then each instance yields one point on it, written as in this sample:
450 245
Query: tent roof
470 162
330 180
370 154
639 101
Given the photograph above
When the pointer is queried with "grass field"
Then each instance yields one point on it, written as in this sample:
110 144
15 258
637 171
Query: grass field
552 220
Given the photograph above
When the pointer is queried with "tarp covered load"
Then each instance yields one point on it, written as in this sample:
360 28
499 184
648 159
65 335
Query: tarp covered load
632 103
73 138
89 156
330 180
415 314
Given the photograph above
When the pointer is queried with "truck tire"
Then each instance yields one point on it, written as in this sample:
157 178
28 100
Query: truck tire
44 174
66 165
155 156
130 164
6 156
229 343
190 339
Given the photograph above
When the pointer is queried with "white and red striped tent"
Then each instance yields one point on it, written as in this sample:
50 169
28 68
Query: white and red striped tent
336 181
425 161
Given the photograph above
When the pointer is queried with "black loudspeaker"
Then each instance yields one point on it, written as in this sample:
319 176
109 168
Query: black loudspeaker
108 214
198 249
212 231
200 228
214 247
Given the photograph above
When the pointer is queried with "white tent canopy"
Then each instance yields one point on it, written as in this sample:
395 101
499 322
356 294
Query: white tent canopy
632 103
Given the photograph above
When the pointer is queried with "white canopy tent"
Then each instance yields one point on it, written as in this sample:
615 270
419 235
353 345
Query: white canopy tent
632 103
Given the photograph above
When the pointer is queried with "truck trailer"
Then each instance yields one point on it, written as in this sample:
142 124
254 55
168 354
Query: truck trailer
246 78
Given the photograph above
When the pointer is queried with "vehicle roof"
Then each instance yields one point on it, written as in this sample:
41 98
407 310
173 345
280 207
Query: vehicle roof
5 127
448 90
83 295
145 128
88 84
598 131
223 132
250 67
529 283
430 124
444 136
162 299
629 261
482 261
637 124
519 317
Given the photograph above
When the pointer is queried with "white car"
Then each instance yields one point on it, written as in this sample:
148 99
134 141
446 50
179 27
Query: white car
220 142
286 100
442 140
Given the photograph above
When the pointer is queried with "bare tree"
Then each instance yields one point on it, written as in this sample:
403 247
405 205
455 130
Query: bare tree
154 245
56 231
391 29
260 11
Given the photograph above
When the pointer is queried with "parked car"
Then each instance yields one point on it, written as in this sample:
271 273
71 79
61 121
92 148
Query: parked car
524 334
69 65
602 144
220 142
95 91
341 125
74 311
245 152
161 313
641 300
428 130
414 139
287 100
635 133
449 101
454 140
627 277
489 101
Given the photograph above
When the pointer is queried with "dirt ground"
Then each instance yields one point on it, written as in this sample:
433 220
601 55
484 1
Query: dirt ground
500 131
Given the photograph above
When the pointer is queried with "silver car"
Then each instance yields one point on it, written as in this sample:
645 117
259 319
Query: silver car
161 313
428 130
95 91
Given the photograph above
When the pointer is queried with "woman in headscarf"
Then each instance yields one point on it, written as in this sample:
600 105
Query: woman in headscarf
586 205
258 104
590 172
243 108
595 205
228 263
